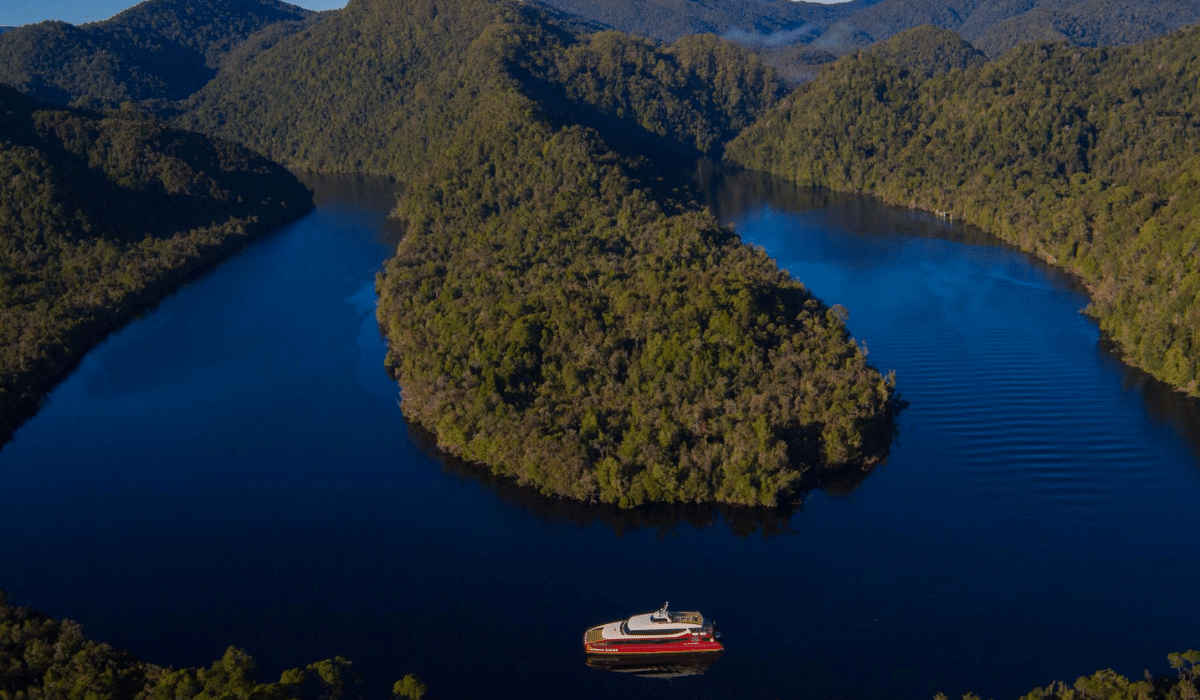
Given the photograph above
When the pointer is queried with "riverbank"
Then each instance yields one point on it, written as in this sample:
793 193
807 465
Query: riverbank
104 216
1083 157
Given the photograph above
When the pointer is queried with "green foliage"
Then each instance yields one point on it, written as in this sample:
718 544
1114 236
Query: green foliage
45 659
1086 157
102 216
929 50
1110 685
152 54
373 88
411 687
699 93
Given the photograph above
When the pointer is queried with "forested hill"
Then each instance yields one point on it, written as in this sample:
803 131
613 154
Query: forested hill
928 50
1088 157
389 77
152 54
102 216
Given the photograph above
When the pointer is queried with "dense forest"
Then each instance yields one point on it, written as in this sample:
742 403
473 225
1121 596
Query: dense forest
46 659
1086 157
153 54
389 72
100 217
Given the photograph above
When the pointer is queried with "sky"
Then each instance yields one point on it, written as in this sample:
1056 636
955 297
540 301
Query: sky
17 12
14 13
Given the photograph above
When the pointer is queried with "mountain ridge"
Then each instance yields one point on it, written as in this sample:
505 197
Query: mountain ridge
152 54
994 26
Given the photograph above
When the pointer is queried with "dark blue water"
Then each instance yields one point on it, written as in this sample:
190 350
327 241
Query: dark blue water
234 469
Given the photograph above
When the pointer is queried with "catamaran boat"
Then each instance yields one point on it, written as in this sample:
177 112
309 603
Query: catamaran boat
664 632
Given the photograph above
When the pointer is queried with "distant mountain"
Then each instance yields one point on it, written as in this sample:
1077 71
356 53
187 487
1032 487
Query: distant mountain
100 217
757 23
152 54
997 25
992 25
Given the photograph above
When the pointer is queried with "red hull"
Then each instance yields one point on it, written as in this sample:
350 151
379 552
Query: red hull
685 646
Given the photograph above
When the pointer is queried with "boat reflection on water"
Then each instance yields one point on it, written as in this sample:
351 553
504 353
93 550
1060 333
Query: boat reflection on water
638 665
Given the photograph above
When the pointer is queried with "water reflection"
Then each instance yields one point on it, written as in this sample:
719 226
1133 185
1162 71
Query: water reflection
357 198
1163 403
743 521
731 193
671 667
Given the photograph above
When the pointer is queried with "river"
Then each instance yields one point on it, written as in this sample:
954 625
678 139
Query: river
233 468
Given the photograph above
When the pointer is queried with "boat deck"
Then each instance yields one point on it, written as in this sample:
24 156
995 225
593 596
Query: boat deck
594 634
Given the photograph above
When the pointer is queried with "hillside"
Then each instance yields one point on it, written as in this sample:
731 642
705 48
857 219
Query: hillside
554 312
1086 157
392 90
151 54
100 217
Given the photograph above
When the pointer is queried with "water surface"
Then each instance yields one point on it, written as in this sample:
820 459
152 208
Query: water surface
234 469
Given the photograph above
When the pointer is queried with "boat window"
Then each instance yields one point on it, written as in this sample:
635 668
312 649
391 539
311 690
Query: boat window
657 631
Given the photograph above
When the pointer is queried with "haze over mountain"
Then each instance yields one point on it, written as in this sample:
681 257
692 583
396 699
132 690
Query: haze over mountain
757 23
152 54
992 25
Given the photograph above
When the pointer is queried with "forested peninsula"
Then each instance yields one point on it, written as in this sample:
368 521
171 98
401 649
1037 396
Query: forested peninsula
1089 158
556 311
101 217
